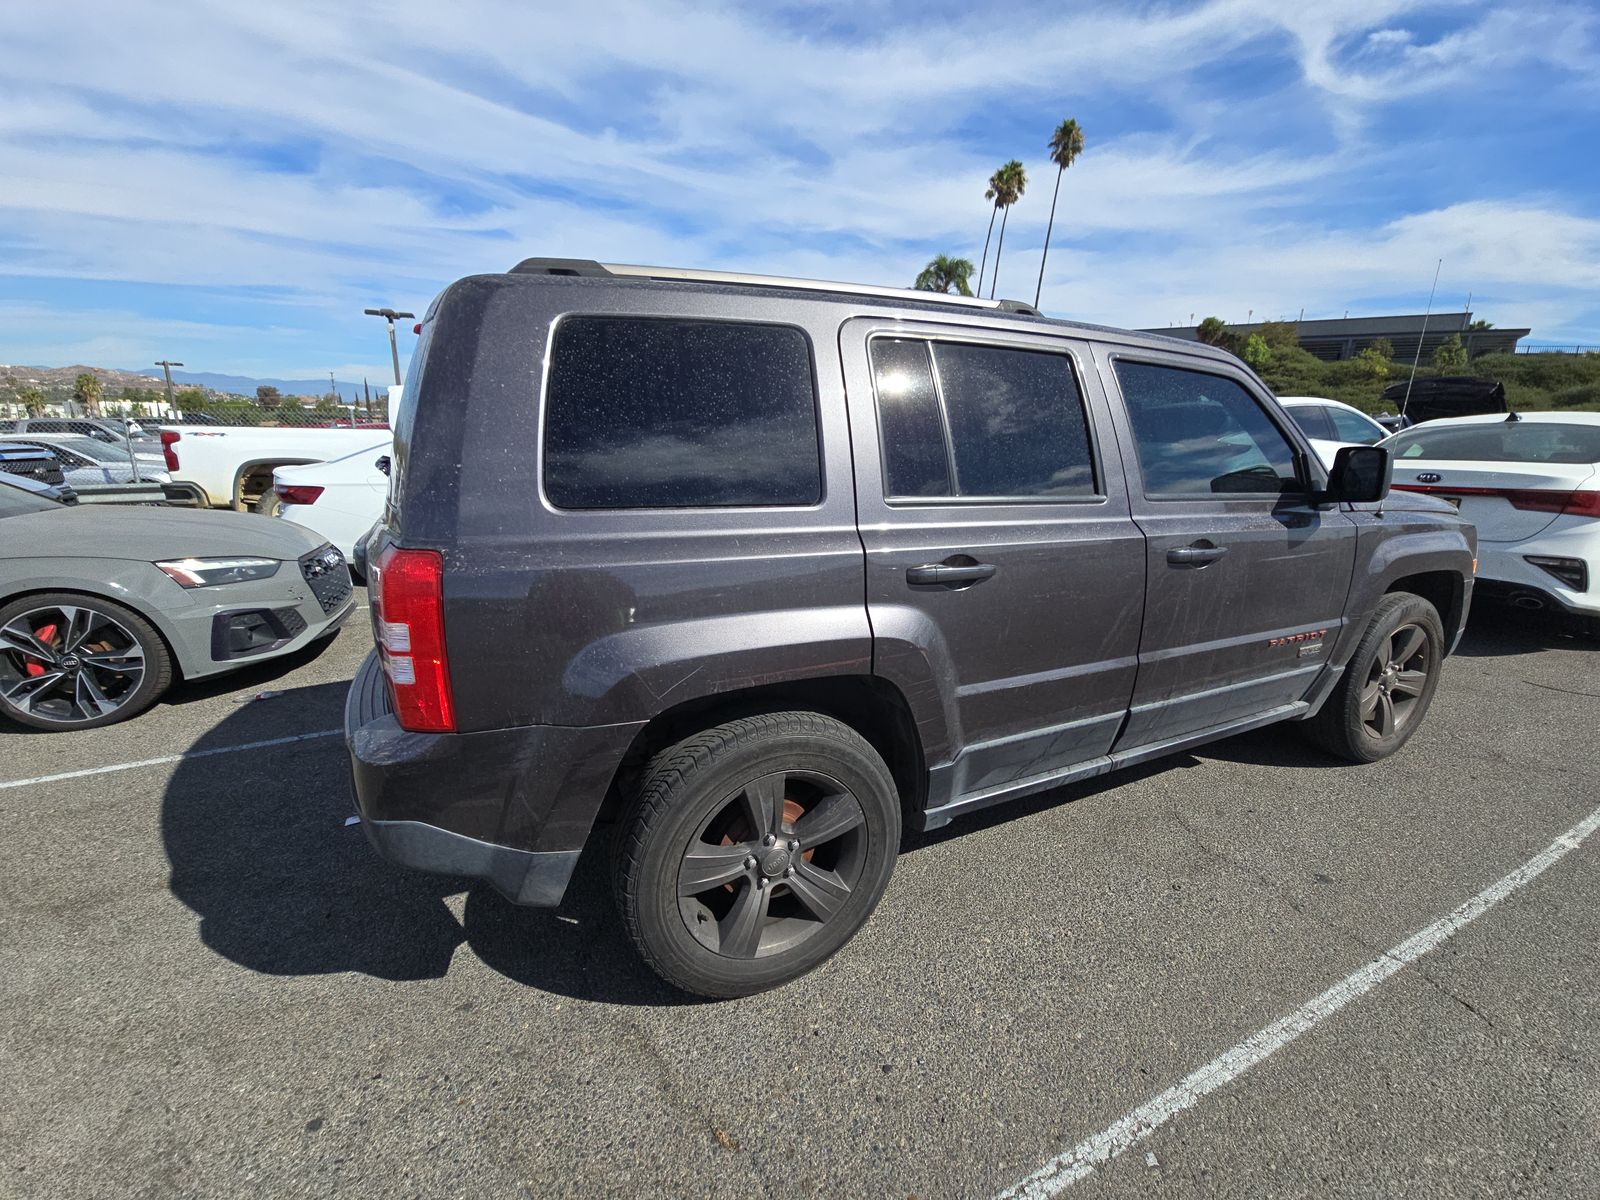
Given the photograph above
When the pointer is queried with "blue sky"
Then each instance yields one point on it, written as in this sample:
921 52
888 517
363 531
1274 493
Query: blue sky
230 184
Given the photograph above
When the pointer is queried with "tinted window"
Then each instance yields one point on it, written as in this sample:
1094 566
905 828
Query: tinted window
643 413
915 454
1202 434
1016 421
1353 427
1312 419
1500 441
1008 423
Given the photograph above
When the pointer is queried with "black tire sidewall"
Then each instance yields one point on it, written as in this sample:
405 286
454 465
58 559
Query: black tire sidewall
158 662
652 891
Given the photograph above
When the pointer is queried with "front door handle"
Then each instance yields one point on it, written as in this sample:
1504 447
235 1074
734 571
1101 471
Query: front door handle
945 574
1196 554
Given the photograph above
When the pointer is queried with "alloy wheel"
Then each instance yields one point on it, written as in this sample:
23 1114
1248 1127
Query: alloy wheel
772 864
68 664
1396 681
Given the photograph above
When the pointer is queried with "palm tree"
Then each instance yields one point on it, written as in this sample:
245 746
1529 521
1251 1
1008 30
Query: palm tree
86 391
1012 182
1065 146
990 193
944 273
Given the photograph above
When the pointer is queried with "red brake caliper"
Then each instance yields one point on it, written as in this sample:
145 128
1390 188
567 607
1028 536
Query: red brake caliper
47 635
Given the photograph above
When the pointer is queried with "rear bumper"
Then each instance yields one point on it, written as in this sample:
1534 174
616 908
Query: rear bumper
513 807
1504 571
532 877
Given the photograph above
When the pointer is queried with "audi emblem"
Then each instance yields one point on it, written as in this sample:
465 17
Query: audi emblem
1429 477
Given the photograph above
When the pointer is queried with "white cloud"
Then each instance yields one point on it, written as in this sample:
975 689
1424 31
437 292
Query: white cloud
341 156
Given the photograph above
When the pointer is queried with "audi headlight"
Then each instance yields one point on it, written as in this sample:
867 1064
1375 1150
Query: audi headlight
207 572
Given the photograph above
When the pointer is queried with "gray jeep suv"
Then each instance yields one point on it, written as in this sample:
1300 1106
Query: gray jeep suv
761 571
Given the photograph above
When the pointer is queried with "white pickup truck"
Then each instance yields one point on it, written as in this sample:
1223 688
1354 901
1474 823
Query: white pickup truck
233 465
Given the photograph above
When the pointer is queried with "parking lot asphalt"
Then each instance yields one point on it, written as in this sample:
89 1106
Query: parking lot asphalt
212 987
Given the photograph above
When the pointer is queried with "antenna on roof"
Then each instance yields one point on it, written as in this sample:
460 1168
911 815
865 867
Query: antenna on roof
1420 336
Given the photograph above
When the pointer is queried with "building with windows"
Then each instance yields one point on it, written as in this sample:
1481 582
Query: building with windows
1348 336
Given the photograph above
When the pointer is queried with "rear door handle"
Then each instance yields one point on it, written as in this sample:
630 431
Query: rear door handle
1196 555
945 573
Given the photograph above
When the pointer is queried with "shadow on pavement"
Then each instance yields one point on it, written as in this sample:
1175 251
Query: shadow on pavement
259 850
1497 630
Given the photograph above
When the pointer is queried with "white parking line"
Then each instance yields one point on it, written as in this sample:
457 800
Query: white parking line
169 758
1066 1168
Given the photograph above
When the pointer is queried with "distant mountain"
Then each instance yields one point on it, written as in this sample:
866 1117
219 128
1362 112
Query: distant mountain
241 385
57 383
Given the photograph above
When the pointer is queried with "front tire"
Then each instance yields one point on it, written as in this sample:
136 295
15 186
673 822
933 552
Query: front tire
1387 688
69 661
753 851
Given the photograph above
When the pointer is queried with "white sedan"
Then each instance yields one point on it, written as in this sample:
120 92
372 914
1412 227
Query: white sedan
340 499
1530 482
1331 424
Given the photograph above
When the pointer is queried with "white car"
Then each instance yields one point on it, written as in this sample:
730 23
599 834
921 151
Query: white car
232 465
1529 482
1331 425
88 462
341 499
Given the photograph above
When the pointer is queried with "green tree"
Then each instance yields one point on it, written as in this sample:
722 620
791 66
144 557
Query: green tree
943 273
1013 182
1373 363
1065 146
1257 352
32 400
191 399
86 391
1481 325
1279 335
1212 330
268 396
1384 347
1450 356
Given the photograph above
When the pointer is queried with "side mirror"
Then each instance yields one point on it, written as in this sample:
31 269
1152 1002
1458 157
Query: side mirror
383 464
1360 475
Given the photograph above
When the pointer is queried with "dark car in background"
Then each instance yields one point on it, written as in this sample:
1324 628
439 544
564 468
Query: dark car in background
761 571
1437 396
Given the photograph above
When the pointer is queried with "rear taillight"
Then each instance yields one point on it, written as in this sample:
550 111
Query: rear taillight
169 439
297 493
407 595
1576 504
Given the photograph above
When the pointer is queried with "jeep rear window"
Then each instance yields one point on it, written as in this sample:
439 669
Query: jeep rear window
986 422
645 412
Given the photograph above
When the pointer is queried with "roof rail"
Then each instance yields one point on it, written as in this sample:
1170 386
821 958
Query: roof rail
584 266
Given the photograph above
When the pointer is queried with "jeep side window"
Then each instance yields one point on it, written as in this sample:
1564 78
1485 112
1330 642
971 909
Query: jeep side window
1203 434
645 412
980 421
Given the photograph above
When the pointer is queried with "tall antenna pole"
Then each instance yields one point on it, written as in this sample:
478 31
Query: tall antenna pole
1420 336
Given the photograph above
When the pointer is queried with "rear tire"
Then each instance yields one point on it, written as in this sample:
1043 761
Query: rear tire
1385 691
753 851
268 504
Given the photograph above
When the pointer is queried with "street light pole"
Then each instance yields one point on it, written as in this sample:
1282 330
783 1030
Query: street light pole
391 316
166 366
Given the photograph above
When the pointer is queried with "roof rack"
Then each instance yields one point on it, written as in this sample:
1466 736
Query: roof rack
588 267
